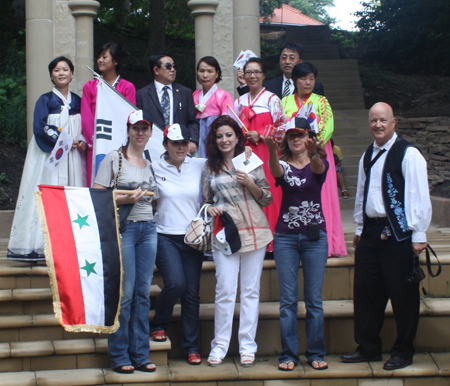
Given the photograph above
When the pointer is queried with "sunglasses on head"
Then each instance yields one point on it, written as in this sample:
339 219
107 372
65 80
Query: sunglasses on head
169 66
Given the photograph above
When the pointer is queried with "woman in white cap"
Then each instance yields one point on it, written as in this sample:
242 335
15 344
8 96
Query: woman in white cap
178 177
128 347
243 197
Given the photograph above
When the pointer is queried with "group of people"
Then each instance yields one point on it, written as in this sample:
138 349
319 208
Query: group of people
288 206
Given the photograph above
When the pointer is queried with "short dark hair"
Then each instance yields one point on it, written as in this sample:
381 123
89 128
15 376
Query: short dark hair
155 60
58 59
303 69
259 61
216 160
117 52
212 61
292 46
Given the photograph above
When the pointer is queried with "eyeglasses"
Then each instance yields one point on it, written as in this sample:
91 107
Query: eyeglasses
250 73
169 66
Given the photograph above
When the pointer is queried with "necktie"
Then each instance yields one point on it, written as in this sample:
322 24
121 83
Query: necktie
286 90
165 104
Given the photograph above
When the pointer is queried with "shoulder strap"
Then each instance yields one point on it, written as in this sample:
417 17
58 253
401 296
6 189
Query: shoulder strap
427 255
116 182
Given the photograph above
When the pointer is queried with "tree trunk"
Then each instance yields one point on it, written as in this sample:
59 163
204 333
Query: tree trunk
123 10
157 22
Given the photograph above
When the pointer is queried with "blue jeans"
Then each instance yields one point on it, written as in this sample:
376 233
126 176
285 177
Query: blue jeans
180 267
289 251
130 343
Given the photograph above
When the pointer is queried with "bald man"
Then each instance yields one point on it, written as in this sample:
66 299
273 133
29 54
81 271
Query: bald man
393 212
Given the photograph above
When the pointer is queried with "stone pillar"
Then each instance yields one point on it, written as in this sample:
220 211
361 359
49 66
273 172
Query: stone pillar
84 11
246 26
39 53
203 11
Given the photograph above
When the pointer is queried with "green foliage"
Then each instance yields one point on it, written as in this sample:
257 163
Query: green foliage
312 8
13 117
411 36
179 21
315 9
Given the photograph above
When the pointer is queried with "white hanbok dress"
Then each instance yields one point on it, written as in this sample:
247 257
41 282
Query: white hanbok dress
52 111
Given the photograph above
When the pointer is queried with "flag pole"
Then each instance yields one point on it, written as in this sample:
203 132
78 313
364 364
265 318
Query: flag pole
100 79
130 192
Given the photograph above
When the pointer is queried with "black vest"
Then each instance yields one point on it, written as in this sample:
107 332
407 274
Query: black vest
392 186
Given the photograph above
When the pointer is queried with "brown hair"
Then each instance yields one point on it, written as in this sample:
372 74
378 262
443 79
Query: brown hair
215 160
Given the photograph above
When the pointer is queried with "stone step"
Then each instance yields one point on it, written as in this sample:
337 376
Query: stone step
346 92
35 301
346 104
344 141
429 369
432 336
66 354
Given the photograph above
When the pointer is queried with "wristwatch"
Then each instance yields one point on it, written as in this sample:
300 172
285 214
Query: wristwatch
314 156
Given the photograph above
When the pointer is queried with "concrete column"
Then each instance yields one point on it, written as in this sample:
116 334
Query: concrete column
246 26
39 53
84 11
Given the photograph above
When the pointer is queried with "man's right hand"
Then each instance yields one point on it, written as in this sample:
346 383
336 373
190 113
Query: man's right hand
240 77
356 239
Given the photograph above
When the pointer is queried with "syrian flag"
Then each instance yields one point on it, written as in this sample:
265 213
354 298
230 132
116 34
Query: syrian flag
227 234
82 251
111 113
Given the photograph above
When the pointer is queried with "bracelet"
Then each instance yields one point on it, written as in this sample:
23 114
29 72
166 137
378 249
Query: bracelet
313 156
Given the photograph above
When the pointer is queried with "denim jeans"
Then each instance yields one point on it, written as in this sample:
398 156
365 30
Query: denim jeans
289 251
180 267
130 343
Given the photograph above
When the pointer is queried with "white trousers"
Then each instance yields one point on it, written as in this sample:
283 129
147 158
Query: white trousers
249 265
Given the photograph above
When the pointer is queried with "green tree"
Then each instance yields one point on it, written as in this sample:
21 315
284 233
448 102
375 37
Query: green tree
407 35
317 9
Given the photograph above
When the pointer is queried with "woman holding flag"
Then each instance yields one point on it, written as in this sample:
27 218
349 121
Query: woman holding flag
210 101
262 114
110 59
129 347
316 109
56 112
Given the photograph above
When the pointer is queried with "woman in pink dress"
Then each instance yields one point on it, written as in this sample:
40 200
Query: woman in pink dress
261 112
210 101
110 58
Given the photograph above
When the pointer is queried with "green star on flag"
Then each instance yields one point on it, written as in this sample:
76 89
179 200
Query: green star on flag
81 221
89 268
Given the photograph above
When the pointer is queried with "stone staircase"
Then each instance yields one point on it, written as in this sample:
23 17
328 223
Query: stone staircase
35 350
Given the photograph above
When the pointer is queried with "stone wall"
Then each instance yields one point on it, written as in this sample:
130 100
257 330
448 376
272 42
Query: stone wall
432 137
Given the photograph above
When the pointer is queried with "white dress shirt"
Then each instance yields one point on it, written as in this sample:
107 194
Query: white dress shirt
417 195
160 92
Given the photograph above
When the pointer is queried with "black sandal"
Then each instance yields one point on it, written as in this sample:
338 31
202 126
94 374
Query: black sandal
123 370
144 367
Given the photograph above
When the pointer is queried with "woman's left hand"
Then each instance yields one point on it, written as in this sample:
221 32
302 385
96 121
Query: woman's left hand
192 147
74 145
243 178
253 136
248 152
81 146
312 144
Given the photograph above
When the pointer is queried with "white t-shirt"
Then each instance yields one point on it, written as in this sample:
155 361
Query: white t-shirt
179 193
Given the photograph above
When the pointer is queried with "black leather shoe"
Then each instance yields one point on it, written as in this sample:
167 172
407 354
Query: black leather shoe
357 357
395 363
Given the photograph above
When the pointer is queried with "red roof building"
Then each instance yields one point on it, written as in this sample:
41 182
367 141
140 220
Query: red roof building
289 16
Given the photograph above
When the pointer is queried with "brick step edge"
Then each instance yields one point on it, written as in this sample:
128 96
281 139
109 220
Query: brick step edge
429 365
433 307
65 347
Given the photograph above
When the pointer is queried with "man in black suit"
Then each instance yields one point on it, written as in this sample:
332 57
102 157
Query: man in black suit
165 102
290 55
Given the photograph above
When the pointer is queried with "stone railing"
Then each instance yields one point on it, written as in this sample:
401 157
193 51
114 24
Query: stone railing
432 137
